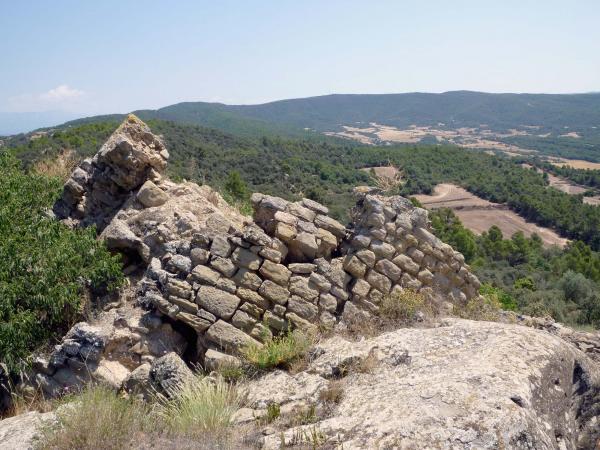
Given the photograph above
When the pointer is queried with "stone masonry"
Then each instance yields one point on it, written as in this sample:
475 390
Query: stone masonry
235 280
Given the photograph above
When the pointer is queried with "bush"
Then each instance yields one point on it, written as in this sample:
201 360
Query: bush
402 306
280 351
96 418
44 266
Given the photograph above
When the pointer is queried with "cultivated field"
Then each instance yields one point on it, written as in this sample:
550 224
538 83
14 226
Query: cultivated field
575 163
479 215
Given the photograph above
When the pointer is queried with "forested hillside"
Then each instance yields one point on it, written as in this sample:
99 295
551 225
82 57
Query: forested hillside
327 172
526 276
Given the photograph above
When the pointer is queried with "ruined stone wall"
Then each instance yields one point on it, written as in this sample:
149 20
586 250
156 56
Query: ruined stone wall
234 280
301 268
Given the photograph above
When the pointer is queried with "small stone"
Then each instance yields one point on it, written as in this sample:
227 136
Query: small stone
199 256
382 249
389 269
151 195
221 246
286 218
184 304
306 244
302 212
246 259
243 321
302 267
223 265
315 206
361 288
354 266
339 292
328 302
285 232
254 297
274 321
320 282
361 241
331 225
274 292
252 309
270 254
261 333
379 281
180 263
301 286
226 285
214 360
228 337
247 279
415 254
205 275
304 309
425 277
275 272
367 256
216 301
405 263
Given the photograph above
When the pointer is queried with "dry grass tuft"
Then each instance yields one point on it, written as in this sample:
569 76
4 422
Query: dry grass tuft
333 393
59 167
401 307
96 418
200 406
484 307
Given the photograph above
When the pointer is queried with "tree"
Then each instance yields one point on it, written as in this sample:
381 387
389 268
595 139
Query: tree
235 186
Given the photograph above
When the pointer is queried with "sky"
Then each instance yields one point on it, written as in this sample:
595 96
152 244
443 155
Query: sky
92 57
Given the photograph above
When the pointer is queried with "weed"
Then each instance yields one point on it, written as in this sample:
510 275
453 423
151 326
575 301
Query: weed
95 418
200 406
333 393
280 351
402 306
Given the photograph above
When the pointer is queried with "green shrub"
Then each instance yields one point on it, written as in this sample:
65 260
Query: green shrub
44 266
503 299
280 351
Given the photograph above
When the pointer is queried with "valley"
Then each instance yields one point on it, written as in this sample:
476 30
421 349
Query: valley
478 215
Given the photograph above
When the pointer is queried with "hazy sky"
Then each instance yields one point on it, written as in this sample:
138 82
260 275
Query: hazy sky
118 55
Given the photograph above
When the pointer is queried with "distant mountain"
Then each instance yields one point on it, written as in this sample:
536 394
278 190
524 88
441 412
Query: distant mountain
328 113
565 125
13 123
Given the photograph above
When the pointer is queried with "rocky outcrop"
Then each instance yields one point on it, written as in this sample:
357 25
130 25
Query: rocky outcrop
462 385
22 432
98 187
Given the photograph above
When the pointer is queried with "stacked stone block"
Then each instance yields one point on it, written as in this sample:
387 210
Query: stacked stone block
242 287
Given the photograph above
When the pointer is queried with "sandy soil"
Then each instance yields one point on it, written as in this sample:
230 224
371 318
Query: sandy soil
383 171
565 185
592 200
479 215
575 163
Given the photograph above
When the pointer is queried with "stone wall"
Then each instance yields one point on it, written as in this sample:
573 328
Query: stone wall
296 267
233 280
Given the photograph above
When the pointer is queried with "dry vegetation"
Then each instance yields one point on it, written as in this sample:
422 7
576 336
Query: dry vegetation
478 215
197 415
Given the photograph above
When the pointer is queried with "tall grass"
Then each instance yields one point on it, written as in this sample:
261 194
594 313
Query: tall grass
200 406
96 419
196 415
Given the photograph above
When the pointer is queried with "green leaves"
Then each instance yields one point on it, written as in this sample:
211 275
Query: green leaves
44 266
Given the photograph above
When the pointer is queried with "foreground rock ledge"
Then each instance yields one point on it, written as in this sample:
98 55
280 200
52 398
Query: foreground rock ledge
463 385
